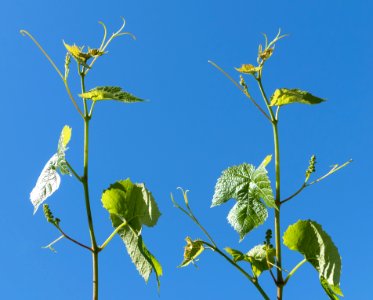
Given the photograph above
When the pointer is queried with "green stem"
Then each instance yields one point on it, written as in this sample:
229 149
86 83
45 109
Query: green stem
253 280
294 270
304 185
73 171
95 248
241 89
279 280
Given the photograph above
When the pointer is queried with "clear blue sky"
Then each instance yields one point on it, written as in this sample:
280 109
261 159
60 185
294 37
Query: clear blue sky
195 125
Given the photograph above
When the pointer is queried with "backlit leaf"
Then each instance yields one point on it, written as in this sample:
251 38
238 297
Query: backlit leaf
62 147
191 251
236 254
308 238
134 204
247 69
47 183
248 186
110 93
78 54
261 258
246 215
289 96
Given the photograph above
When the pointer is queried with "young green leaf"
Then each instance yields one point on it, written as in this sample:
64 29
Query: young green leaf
47 183
289 96
191 251
246 215
236 254
134 204
110 93
247 69
61 149
308 238
260 257
78 54
248 186
245 179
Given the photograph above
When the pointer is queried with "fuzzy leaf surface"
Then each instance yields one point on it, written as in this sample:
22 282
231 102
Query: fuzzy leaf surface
289 96
135 205
308 238
258 257
248 186
110 93
47 183
246 215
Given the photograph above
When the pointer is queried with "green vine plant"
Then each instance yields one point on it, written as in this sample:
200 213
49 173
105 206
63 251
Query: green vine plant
250 186
130 205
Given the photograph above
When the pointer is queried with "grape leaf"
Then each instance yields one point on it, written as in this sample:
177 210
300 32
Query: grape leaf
308 238
110 93
47 183
248 186
61 149
134 204
236 254
258 256
289 96
246 215
191 251
247 69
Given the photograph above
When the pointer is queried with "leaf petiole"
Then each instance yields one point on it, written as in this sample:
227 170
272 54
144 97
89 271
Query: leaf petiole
291 273
102 247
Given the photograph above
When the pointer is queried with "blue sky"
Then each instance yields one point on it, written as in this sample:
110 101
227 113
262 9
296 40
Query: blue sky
195 125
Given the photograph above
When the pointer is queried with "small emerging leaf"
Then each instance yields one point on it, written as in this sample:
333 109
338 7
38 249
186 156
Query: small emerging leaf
260 258
265 161
47 183
289 96
65 137
248 69
110 93
78 54
308 238
191 251
266 54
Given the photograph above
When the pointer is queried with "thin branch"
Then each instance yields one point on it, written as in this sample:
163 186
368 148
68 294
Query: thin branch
247 275
305 184
241 89
73 240
190 214
333 170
